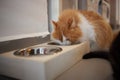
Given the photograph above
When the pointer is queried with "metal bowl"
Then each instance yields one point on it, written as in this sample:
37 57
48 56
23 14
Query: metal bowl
42 50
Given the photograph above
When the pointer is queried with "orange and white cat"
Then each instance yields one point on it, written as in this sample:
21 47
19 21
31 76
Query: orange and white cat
75 26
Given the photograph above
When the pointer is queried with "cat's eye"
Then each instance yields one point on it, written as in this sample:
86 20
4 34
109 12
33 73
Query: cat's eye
67 39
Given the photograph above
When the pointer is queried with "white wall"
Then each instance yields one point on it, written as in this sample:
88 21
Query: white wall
53 10
22 18
118 12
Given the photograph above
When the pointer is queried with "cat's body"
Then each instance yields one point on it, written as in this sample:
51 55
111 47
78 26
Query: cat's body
77 26
113 56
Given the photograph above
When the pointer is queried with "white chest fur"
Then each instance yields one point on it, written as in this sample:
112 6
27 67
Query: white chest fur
88 33
87 29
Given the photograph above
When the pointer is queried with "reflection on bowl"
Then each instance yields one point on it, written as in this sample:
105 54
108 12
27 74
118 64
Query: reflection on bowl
54 43
42 50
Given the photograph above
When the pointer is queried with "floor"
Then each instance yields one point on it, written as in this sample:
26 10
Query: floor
92 69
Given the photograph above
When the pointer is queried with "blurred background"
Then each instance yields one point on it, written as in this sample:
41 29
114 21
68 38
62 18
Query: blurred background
109 9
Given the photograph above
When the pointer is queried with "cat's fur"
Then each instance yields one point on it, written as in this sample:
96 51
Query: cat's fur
75 26
113 56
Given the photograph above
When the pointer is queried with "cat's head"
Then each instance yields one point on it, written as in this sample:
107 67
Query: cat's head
66 30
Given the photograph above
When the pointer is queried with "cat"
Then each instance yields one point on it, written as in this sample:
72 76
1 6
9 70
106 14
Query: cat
113 56
76 26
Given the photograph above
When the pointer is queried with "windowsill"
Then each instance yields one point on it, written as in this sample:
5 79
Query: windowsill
22 43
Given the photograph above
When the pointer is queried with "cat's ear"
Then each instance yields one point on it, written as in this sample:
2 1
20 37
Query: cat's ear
54 24
71 22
